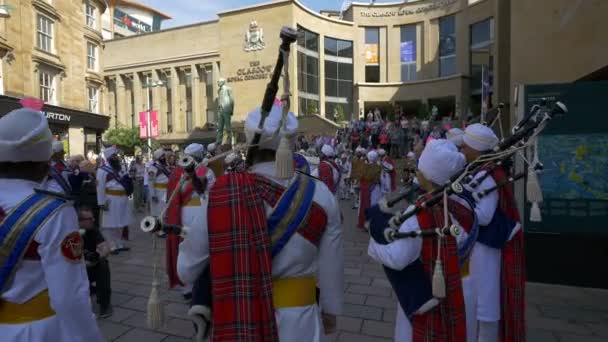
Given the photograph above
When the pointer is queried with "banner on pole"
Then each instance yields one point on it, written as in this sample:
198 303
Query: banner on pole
143 124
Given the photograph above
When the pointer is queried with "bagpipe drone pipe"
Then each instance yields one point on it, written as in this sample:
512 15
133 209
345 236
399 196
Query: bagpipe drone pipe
415 290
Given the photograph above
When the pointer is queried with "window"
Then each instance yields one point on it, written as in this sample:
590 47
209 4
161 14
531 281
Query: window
91 56
93 93
372 58
482 57
308 71
46 82
447 46
338 78
407 52
44 33
89 12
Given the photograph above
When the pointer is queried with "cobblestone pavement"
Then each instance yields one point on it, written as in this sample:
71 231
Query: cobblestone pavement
554 313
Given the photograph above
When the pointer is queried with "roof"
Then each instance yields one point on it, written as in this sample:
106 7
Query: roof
139 5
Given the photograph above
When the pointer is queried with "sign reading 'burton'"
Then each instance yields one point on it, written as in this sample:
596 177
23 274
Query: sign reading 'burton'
255 71
407 11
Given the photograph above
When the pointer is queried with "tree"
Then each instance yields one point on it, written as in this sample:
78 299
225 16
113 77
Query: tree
312 108
127 139
341 116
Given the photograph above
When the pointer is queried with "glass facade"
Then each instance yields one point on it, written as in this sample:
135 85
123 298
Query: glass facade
407 53
482 56
447 46
372 54
338 79
308 71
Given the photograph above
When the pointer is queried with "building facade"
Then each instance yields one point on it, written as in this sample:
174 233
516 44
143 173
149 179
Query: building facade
51 50
405 57
127 18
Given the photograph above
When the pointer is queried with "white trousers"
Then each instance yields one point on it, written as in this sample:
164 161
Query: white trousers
114 237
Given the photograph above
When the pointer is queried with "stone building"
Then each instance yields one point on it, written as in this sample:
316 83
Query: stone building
51 49
402 57
127 18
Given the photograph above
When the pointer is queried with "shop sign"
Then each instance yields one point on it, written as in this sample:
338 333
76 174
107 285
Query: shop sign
57 117
255 71
133 24
407 11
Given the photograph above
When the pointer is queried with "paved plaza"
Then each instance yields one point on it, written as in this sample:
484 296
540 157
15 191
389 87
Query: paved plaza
554 313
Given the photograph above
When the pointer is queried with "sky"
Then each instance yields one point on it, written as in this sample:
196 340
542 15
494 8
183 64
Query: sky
191 11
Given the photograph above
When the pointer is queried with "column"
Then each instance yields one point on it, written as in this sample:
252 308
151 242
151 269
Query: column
140 96
204 106
157 93
124 115
197 116
176 99
322 75
383 51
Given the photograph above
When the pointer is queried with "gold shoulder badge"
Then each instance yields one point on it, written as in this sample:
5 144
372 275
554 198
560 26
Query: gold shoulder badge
72 247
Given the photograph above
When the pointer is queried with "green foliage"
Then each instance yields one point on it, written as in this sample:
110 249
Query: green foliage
312 108
128 140
341 116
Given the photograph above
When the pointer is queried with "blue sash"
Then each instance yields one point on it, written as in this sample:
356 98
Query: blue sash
496 234
301 164
18 229
290 211
126 182
58 177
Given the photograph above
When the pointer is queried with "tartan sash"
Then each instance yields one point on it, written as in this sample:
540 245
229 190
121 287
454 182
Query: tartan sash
18 228
446 321
290 212
58 177
468 220
513 269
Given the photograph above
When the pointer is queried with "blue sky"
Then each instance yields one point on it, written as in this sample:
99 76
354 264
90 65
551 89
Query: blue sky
191 11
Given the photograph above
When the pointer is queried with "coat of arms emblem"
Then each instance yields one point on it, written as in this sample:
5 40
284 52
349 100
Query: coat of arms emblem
254 38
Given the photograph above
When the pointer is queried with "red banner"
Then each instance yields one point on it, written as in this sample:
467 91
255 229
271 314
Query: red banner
143 124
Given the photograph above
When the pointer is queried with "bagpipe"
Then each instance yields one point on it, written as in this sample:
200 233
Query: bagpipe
417 291
202 288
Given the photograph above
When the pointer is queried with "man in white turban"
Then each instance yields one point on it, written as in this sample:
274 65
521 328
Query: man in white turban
59 172
44 292
456 136
410 262
158 178
328 171
497 264
248 205
370 191
113 200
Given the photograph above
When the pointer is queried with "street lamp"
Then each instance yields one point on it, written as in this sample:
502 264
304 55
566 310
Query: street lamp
149 85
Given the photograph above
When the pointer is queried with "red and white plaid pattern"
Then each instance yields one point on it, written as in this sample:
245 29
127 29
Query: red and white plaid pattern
446 322
513 270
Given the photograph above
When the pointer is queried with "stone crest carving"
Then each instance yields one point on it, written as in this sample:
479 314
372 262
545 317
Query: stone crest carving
254 38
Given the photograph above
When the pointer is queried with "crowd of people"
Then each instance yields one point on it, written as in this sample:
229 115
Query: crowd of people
261 227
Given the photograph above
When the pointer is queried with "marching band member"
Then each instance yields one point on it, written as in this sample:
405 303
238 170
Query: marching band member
44 290
356 164
328 171
186 209
345 165
270 238
113 190
370 191
421 315
497 263
158 176
389 173
456 136
59 172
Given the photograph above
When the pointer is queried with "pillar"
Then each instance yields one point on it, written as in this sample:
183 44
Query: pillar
321 108
197 116
120 107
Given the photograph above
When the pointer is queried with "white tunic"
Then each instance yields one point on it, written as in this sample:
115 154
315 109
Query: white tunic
119 213
158 189
66 281
299 258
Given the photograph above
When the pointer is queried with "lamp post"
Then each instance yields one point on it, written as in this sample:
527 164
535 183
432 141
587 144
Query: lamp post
149 85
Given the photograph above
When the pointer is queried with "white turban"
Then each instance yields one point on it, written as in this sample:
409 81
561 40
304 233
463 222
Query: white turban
440 160
109 151
195 150
328 151
480 137
372 156
271 132
455 135
57 146
158 153
381 152
25 137
211 148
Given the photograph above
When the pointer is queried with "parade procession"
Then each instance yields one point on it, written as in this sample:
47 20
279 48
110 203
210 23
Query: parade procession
306 181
